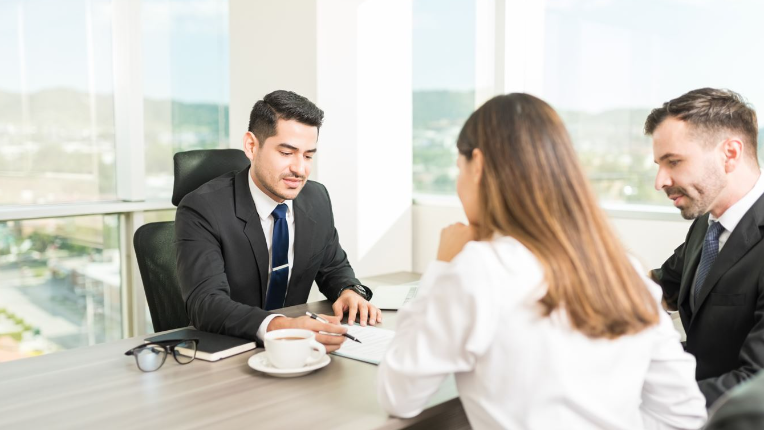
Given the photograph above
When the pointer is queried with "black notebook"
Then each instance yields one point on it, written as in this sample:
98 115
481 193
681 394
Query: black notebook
211 347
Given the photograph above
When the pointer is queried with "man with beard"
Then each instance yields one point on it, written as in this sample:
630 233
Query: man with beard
704 143
252 241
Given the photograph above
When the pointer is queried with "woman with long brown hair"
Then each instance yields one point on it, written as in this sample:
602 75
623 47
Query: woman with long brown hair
534 305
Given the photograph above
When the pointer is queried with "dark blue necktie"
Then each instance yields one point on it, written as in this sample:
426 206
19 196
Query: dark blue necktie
707 256
277 287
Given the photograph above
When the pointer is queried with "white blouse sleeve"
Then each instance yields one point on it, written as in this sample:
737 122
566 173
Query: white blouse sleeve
671 398
441 332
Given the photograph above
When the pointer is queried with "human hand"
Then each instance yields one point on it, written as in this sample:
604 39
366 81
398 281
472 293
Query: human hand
328 334
353 303
452 240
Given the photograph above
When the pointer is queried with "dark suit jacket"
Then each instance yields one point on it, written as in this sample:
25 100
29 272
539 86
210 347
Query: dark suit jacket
726 332
741 408
223 258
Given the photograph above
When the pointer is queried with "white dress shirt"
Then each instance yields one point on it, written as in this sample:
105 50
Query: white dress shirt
732 216
478 318
265 206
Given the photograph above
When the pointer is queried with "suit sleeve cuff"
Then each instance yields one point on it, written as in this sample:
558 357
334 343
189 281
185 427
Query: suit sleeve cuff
264 326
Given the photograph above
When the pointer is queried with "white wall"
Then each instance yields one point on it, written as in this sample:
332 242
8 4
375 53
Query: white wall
652 241
272 46
353 59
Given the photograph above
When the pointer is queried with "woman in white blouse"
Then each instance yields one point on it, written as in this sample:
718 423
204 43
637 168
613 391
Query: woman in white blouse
535 306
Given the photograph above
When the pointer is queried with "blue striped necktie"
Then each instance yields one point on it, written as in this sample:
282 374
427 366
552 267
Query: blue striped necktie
707 256
277 287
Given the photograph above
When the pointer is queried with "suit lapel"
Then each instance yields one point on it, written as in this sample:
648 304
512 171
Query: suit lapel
742 239
694 248
304 235
253 229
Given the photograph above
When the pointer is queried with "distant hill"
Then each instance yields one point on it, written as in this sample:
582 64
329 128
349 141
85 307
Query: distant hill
432 106
71 109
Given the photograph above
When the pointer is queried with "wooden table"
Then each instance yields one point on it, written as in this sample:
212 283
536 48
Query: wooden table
100 387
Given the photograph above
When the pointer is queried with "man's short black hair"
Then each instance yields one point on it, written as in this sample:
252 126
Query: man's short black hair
282 104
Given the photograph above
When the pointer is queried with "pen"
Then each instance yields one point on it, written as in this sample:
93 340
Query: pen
318 318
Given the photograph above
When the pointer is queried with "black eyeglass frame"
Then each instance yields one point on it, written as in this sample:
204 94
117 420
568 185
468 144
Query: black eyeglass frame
169 348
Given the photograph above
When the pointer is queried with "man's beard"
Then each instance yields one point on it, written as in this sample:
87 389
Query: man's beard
706 191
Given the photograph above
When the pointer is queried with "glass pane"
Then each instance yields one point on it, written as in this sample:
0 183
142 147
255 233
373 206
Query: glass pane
60 284
444 88
159 216
607 64
56 102
185 81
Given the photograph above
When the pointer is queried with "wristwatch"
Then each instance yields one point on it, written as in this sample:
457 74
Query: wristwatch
362 291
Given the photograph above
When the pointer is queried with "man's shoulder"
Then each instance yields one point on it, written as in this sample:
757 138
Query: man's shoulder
213 191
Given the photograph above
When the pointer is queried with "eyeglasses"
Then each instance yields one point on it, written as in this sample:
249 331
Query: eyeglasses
151 356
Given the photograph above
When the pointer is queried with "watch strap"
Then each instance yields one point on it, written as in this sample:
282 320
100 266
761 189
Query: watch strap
361 290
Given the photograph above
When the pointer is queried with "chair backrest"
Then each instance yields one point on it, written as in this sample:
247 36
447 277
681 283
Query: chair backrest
155 242
742 408
155 251
195 168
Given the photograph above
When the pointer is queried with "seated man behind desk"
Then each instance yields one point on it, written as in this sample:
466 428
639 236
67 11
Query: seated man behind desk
254 241
704 143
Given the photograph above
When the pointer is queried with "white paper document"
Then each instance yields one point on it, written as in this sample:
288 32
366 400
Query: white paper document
374 344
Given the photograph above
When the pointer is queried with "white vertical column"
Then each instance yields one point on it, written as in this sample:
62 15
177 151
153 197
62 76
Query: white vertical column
128 100
524 46
485 50
365 72
353 58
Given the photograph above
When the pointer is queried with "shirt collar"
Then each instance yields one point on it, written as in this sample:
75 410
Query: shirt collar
732 216
264 204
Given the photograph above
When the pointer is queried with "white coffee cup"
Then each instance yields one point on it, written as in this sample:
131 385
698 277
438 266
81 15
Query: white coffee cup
293 348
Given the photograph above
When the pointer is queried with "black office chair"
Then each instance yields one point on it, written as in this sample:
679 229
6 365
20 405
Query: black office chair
155 242
740 409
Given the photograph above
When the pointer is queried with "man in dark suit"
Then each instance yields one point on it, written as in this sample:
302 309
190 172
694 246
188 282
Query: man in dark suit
704 143
252 241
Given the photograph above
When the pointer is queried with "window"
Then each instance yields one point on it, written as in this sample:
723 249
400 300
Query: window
61 266
607 64
56 102
185 61
444 89
602 65
60 284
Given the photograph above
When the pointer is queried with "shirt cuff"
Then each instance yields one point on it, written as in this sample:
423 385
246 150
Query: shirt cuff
264 326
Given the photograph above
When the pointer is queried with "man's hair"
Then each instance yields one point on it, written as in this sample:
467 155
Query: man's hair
282 104
710 110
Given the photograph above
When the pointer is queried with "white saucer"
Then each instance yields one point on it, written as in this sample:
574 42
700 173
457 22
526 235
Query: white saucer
260 363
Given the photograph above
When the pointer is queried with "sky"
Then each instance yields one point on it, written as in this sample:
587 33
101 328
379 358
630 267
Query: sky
68 43
598 54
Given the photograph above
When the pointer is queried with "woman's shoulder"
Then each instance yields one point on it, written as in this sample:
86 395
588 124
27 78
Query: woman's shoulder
504 251
501 260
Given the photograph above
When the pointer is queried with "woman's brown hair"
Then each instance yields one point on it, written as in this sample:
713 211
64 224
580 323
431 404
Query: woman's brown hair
533 189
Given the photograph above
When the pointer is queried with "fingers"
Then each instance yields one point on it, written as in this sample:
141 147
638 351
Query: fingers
353 309
318 326
363 313
332 348
375 315
339 309
331 342
332 319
